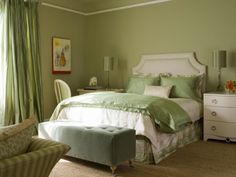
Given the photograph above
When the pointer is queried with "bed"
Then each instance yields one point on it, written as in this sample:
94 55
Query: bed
153 143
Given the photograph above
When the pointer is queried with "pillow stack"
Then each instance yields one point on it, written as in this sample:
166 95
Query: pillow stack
167 86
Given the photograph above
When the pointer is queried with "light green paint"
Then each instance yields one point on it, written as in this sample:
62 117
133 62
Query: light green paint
176 26
96 5
54 22
87 6
70 4
93 5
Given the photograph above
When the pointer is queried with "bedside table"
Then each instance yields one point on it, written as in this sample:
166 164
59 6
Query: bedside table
220 116
83 91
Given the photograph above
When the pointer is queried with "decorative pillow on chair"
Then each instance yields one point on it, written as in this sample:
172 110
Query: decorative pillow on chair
137 83
160 91
183 87
15 139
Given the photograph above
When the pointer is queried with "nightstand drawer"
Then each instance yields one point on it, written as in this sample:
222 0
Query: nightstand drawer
221 114
220 129
224 100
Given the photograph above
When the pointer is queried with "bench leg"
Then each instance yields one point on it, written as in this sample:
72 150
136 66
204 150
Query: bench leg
113 168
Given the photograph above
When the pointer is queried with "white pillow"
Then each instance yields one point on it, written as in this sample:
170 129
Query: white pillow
160 91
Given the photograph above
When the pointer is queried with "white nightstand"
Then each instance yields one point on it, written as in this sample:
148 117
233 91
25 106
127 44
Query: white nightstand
83 91
220 116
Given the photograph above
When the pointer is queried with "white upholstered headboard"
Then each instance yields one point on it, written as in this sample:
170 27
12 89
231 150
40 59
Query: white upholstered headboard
174 63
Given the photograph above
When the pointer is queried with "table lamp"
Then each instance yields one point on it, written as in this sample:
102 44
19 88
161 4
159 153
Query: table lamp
108 66
219 61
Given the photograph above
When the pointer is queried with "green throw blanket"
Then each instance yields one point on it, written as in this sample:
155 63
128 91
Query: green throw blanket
168 115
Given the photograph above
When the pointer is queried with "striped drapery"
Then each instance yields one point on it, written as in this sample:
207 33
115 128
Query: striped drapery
20 56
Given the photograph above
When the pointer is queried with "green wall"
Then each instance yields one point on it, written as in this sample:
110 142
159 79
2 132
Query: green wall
176 26
54 22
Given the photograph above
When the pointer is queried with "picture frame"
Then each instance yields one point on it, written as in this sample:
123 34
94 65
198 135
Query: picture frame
61 55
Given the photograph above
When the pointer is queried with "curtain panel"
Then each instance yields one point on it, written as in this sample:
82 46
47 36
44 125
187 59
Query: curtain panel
21 58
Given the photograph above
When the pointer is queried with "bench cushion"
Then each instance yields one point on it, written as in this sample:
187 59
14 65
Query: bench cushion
104 144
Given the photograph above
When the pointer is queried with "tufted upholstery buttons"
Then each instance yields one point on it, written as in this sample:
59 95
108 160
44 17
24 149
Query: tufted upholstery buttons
106 129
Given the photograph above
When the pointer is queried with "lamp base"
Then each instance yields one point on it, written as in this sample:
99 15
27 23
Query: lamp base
108 80
219 88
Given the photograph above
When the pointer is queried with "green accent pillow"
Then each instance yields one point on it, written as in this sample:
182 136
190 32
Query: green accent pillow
15 139
183 86
137 83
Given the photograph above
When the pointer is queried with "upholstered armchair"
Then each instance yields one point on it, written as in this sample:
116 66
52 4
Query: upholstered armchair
38 161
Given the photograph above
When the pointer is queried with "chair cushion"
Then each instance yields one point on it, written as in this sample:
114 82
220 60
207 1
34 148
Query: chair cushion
15 139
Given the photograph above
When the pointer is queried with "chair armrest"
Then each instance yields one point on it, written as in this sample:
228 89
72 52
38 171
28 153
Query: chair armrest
37 162
39 143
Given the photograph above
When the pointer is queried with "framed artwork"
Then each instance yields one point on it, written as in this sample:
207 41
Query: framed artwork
61 55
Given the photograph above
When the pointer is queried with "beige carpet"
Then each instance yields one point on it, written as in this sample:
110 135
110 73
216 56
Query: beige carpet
200 159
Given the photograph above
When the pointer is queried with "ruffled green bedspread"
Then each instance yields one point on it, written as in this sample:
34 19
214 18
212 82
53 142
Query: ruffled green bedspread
168 115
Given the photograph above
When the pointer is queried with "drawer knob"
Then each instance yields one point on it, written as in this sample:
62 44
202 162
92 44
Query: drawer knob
214 101
213 128
213 113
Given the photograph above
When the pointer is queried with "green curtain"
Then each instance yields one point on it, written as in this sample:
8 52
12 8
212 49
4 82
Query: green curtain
21 54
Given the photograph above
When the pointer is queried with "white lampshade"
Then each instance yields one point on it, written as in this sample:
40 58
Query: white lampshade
219 59
108 63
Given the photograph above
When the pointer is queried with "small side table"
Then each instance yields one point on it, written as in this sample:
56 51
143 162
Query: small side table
219 116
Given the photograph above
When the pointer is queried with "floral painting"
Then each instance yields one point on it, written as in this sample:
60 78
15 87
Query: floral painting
61 59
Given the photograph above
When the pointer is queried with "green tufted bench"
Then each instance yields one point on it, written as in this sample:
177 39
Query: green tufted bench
106 145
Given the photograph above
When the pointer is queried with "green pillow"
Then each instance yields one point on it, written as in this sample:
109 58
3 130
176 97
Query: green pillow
137 83
183 87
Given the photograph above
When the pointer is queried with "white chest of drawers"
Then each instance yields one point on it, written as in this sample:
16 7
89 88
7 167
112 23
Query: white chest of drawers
220 116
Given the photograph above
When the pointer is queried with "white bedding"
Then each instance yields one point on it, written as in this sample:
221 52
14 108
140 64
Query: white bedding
192 107
98 116
143 124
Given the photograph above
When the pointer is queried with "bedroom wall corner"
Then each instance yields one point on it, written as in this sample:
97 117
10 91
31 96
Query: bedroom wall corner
175 26
55 22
